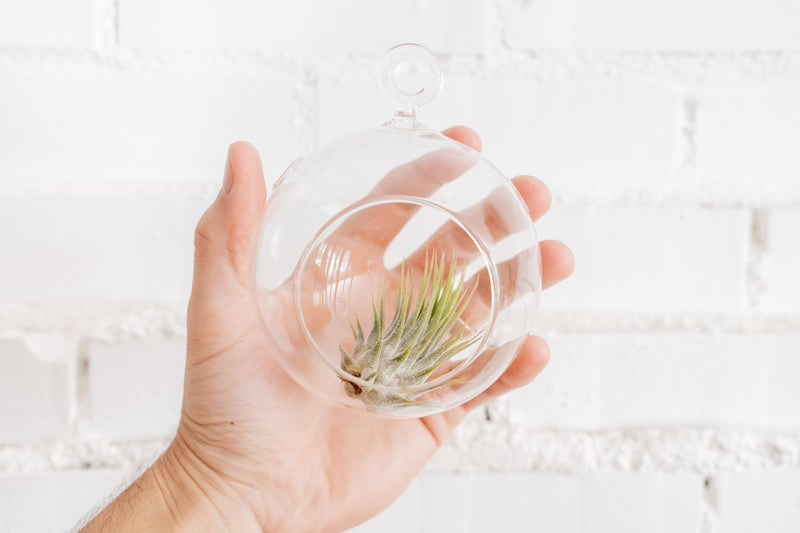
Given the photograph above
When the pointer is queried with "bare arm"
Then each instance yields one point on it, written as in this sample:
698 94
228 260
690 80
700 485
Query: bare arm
175 494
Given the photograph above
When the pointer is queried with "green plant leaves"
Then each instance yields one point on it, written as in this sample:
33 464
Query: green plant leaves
416 342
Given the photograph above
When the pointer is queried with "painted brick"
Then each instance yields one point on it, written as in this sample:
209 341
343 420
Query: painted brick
433 503
138 126
650 259
46 23
782 265
35 395
351 103
136 387
446 502
618 380
748 135
511 501
624 502
302 26
680 25
519 501
602 502
591 134
53 502
562 131
759 501
96 248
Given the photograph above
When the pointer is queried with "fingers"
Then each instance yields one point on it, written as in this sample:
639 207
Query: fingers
225 235
464 135
557 265
535 194
517 268
491 216
420 177
558 262
533 356
531 359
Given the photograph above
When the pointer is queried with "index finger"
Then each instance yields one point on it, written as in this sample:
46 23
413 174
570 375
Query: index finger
421 178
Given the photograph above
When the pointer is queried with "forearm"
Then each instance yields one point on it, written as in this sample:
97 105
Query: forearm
174 495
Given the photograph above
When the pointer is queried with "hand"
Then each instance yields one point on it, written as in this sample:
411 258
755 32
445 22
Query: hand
253 448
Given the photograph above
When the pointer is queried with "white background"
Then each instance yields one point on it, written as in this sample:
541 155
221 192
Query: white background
669 132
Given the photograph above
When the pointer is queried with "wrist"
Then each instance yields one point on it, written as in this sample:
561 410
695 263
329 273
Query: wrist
174 495
195 498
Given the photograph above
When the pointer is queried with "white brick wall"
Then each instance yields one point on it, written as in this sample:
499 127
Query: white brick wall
135 387
302 26
652 259
679 25
36 404
189 121
759 501
624 380
98 247
782 262
546 122
668 132
46 23
757 144
607 502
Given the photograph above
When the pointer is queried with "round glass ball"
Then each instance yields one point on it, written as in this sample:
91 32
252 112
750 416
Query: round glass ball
398 271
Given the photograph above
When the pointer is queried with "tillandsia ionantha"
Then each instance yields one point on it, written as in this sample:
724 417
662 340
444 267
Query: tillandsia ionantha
417 341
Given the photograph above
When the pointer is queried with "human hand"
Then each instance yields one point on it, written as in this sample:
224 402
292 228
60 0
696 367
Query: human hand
256 450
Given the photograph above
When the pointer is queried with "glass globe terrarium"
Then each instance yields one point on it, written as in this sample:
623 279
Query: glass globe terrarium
397 271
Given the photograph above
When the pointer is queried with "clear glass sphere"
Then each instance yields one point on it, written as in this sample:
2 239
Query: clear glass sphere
397 271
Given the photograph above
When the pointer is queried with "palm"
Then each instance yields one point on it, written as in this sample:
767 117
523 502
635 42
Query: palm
281 434
244 417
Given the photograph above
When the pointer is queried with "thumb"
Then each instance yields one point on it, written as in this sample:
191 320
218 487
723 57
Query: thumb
225 236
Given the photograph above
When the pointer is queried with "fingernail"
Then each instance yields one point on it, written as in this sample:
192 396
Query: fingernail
227 179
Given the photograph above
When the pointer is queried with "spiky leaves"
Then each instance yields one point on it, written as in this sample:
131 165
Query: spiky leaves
421 336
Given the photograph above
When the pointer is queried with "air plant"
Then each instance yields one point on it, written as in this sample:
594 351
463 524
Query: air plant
416 342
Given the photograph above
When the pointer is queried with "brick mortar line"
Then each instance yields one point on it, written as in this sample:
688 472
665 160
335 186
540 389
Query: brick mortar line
620 66
709 507
505 10
121 322
498 13
10 188
93 321
212 65
503 446
105 27
679 194
81 398
757 252
306 118
674 194
686 142
492 446
564 322
646 67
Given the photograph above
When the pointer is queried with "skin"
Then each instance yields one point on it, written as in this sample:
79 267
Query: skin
254 451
